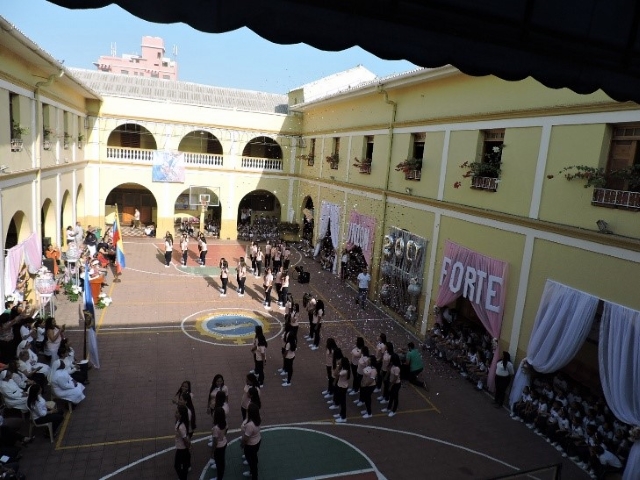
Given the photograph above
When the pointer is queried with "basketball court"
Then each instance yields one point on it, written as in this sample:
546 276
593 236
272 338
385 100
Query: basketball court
169 325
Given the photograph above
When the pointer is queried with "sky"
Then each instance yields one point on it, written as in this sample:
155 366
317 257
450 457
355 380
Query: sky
238 59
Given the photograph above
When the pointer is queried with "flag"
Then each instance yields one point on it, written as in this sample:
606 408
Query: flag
117 242
89 309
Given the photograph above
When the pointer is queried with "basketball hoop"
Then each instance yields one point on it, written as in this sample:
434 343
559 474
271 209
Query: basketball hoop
204 200
204 204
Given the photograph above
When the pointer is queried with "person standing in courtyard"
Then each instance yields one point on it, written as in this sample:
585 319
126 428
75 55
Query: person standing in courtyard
168 249
318 316
267 254
259 350
395 384
284 290
219 438
259 260
184 246
241 272
182 460
224 276
363 287
504 372
268 285
202 247
136 219
251 439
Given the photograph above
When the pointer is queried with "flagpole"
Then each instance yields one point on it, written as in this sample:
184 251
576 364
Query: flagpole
84 323
116 277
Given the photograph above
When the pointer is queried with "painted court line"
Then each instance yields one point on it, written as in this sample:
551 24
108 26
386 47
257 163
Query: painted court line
342 474
301 426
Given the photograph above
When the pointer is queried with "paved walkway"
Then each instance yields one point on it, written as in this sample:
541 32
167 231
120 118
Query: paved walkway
159 331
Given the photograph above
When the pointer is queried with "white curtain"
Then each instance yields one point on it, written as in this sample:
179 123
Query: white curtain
563 321
619 358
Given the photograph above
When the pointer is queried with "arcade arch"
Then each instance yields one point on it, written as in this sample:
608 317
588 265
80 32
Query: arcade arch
19 230
262 147
66 213
128 197
48 222
308 221
200 141
186 207
80 210
132 135
258 216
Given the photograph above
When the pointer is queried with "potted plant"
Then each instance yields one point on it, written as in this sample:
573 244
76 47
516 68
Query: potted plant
17 131
620 188
67 139
485 173
307 158
412 168
334 160
80 140
46 141
363 165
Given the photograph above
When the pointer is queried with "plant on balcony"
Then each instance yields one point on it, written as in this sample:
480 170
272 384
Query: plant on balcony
597 176
409 164
307 158
67 139
333 160
489 167
17 131
363 165
80 140
49 132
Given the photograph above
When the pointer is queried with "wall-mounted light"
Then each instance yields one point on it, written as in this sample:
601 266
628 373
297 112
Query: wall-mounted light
86 123
408 191
3 168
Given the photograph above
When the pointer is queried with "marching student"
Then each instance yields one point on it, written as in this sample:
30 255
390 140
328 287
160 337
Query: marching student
367 384
184 247
289 356
202 247
224 276
168 249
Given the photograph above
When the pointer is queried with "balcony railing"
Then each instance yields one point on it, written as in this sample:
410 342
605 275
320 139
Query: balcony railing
485 183
604 197
130 154
264 164
203 159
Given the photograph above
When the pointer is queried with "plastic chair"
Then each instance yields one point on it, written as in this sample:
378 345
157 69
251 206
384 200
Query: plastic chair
42 425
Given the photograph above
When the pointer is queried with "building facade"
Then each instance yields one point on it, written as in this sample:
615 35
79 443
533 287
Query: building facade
152 61
403 168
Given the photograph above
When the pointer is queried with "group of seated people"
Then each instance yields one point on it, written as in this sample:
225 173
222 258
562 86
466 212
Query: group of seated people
576 422
262 228
36 362
466 346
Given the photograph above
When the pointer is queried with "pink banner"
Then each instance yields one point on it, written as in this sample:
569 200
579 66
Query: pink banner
481 280
360 232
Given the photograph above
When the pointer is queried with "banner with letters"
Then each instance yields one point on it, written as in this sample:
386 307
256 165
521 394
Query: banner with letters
480 279
360 232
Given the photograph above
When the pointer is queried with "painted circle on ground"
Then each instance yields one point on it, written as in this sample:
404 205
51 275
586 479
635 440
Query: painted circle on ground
231 326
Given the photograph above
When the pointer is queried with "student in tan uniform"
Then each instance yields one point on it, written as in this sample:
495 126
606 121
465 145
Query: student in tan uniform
251 440
344 374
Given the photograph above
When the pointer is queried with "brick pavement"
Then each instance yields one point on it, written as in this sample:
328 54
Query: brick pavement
149 344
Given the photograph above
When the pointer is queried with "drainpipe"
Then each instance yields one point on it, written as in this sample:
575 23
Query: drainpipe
394 110
38 145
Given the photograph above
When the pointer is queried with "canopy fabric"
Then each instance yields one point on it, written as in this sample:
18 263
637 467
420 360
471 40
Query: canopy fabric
584 45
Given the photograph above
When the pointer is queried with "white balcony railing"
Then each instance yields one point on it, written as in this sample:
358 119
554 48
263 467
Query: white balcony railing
606 197
130 154
264 164
203 159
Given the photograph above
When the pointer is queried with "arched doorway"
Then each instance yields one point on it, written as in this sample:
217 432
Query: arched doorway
259 216
187 208
48 223
80 204
66 214
200 141
308 221
127 197
262 147
19 230
131 136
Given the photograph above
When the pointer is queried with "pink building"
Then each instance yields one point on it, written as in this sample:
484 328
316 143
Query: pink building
150 63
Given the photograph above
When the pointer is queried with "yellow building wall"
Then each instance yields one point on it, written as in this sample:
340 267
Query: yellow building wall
519 160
